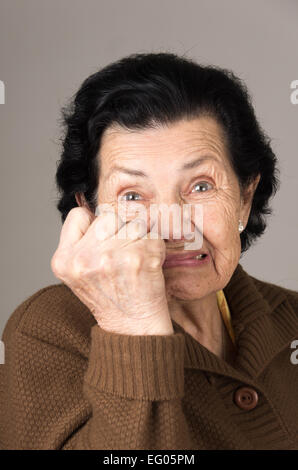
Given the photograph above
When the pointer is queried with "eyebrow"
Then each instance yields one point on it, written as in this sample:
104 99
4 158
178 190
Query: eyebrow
187 166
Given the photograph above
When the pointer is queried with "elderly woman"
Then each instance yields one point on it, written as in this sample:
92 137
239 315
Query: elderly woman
147 344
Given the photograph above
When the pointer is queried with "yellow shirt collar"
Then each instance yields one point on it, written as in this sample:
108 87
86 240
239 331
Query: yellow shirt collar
225 313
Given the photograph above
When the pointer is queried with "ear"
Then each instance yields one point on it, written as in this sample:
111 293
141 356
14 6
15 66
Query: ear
81 201
247 199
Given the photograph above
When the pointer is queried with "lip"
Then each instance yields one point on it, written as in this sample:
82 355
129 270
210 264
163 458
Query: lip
181 256
185 259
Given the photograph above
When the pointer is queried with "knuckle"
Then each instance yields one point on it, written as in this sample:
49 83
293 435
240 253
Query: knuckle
132 259
57 264
73 212
78 266
77 213
154 262
106 263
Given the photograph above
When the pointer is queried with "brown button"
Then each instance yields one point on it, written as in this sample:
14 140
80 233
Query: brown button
246 398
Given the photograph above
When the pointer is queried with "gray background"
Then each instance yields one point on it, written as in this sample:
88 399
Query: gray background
48 47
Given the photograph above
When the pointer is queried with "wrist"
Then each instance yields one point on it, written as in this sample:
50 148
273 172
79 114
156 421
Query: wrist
159 325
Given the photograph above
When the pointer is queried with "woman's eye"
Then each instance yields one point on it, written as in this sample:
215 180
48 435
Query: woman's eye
203 185
130 196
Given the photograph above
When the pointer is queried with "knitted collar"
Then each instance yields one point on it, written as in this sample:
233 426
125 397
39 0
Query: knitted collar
264 323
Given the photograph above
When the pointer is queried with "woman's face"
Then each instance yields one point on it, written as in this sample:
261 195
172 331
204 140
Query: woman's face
158 156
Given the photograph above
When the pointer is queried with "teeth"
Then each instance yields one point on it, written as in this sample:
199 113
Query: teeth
202 255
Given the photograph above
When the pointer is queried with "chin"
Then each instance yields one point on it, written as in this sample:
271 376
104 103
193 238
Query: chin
186 290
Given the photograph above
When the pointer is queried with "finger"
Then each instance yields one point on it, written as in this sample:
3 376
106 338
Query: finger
154 233
75 226
135 229
107 224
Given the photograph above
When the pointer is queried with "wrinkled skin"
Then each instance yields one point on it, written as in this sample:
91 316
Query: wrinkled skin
190 292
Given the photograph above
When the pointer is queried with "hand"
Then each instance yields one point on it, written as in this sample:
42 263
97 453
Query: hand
120 280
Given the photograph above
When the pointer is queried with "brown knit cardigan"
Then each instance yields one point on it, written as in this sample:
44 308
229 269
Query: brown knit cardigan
68 384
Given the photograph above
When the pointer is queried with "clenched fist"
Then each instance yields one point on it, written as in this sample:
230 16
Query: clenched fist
119 279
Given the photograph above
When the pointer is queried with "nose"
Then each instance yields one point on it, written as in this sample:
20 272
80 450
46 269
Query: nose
174 222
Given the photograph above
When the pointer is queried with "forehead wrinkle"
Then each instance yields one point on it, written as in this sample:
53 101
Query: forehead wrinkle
207 140
185 167
184 137
187 145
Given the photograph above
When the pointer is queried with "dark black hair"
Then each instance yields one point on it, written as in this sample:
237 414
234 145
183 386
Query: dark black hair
145 89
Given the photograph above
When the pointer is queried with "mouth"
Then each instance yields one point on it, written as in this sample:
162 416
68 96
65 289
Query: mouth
185 259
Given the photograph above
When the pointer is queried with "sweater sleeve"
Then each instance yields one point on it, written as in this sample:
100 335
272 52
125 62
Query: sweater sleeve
126 394
135 385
